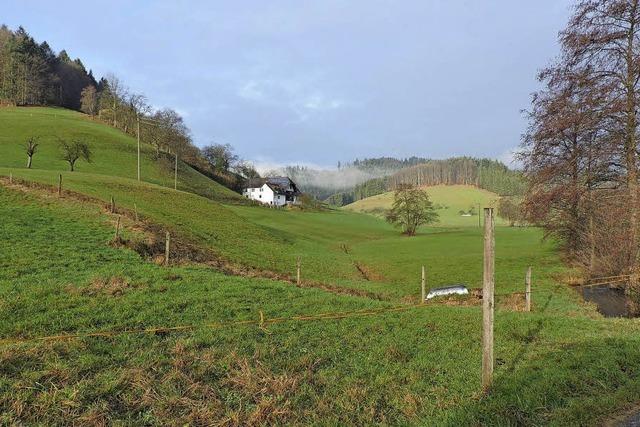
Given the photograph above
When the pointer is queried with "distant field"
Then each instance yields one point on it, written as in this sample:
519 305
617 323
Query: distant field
448 199
115 153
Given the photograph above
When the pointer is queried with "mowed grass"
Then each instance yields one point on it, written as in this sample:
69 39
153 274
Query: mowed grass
114 153
449 200
561 364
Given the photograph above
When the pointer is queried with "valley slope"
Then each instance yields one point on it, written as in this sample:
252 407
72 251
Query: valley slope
65 274
449 200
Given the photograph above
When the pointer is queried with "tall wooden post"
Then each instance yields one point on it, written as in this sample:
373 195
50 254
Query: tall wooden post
488 299
298 271
113 205
527 290
167 245
175 177
10 177
424 286
138 125
59 185
135 210
117 234
479 217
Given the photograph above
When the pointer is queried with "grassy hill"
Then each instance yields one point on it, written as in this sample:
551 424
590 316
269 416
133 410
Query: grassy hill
115 153
448 199
207 359
417 366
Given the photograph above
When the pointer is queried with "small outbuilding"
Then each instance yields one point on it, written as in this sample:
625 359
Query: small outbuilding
272 191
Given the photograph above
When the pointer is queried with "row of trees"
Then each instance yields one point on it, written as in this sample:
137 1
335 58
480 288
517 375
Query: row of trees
489 174
112 102
70 151
581 149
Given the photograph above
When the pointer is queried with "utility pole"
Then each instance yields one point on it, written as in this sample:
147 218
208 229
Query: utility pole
488 285
527 290
423 283
138 125
175 177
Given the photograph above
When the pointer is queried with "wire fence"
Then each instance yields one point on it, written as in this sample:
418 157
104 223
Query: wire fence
607 280
260 321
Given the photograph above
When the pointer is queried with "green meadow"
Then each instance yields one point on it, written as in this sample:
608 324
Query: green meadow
449 201
114 153
62 274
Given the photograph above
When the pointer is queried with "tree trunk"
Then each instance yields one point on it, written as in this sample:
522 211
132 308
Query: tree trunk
29 162
630 145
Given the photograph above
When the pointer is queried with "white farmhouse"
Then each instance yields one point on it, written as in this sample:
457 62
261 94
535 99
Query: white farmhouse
274 191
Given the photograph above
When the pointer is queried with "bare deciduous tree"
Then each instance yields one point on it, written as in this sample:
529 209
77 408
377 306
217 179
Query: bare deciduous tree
220 156
75 150
581 149
31 147
114 95
602 40
89 100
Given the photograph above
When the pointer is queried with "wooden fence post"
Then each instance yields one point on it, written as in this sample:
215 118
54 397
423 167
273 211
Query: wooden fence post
527 290
488 299
10 177
167 245
135 210
424 286
298 271
117 228
113 205
59 185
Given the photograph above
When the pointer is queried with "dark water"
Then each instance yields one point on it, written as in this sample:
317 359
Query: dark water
611 301
631 421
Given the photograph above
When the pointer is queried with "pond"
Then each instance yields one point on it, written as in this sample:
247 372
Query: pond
611 300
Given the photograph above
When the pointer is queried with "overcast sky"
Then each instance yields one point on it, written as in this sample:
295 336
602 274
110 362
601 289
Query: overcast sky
289 81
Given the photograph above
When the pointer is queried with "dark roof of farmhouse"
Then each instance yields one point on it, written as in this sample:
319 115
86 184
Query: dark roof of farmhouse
279 184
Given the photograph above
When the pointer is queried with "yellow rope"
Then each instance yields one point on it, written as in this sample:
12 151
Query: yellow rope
261 323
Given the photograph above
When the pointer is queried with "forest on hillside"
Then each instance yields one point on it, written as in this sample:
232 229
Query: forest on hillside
322 183
31 73
489 174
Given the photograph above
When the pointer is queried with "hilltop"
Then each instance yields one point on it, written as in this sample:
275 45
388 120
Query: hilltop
386 174
114 151
456 205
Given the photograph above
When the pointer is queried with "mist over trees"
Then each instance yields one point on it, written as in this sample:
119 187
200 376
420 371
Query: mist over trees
581 149
489 174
